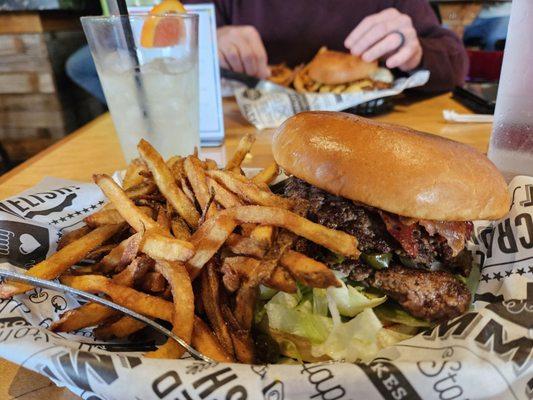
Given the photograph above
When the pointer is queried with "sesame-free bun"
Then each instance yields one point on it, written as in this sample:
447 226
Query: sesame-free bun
391 167
334 67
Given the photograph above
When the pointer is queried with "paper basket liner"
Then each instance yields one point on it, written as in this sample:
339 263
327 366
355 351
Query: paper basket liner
486 353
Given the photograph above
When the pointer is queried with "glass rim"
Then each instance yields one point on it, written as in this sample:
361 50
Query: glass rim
143 16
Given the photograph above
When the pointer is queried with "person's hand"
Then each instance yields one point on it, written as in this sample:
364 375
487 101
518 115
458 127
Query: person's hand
380 35
240 49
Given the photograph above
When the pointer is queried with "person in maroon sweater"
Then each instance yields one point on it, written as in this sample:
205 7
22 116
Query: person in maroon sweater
403 34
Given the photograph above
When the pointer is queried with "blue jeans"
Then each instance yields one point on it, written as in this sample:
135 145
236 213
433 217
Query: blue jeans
81 69
487 30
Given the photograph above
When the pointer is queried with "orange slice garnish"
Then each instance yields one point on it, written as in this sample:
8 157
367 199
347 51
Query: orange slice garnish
159 31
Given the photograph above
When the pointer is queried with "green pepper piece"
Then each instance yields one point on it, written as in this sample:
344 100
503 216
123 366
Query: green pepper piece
377 261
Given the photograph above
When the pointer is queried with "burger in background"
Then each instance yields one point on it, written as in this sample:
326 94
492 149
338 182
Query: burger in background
337 72
333 72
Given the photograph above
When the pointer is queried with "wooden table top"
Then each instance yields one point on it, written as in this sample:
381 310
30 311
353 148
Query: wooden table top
95 148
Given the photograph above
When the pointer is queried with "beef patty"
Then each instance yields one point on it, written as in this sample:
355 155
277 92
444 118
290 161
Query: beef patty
429 294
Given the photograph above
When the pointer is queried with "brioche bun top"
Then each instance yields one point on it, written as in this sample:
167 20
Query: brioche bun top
394 168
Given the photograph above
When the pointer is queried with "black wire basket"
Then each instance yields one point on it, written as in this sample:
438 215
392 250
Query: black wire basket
373 107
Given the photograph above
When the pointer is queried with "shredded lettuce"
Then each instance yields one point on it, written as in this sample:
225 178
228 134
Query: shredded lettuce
298 322
350 301
353 340
320 302
389 337
337 322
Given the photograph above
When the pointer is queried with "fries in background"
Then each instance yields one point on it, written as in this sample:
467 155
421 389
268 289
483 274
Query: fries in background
172 222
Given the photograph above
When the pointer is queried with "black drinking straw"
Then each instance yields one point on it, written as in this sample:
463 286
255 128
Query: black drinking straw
130 42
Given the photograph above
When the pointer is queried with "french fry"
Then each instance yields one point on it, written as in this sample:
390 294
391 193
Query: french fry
150 306
281 280
141 189
196 176
263 235
71 236
267 175
129 211
206 342
179 229
110 217
167 184
210 164
163 219
99 252
131 249
62 260
153 282
162 247
222 195
175 165
208 239
308 271
183 315
230 277
202 339
338 89
244 267
245 305
112 260
244 146
249 191
241 339
144 188
119 329
134 272
104 217
187 190
85 269
133 174
249 270
247 229
337 241
90 314
209 210
243 245
243 345
210 294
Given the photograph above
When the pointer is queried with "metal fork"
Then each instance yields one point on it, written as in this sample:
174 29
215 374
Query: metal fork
66 289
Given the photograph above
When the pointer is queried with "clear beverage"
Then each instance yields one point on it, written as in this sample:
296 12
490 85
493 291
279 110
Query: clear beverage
511 149
167 117
511 143
151 92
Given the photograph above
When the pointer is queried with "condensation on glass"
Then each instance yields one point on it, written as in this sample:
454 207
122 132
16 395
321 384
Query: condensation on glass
511 144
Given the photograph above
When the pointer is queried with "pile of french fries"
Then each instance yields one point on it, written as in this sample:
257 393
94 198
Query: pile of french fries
186 242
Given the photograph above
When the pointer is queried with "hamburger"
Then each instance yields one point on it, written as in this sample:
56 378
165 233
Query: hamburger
408 197
338 72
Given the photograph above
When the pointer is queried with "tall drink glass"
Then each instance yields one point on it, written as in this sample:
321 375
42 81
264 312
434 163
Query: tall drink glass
511 143
151 90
